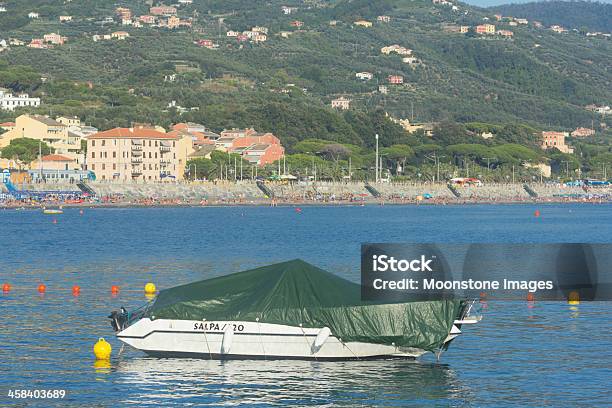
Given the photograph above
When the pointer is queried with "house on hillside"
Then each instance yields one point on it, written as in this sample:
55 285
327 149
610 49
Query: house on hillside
120 35
556 140
366 76
583 132
341 103
363 23
485 29
395 79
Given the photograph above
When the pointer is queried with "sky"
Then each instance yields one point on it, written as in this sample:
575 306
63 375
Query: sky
487 3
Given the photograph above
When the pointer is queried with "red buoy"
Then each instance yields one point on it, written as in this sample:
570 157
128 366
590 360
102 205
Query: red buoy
536 213
55 221
530 297
42 288
298 210
76 290
6 287
114 289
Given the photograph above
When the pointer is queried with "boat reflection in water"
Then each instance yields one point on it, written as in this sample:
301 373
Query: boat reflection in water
297 382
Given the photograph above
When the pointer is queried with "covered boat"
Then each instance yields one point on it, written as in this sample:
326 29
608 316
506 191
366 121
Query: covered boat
287 310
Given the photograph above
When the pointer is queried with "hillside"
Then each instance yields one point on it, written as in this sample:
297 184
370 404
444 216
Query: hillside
580 15
537 79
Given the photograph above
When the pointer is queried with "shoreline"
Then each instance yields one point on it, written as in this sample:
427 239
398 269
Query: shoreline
294 204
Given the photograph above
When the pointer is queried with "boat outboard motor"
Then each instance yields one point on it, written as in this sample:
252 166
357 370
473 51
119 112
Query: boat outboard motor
118 319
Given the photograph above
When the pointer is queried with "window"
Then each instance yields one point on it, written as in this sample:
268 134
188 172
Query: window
93 155
93 166
93 143
114 155
103 142
114 166
103 166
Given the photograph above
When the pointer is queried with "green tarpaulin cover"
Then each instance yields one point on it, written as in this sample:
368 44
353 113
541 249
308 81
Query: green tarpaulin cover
295 292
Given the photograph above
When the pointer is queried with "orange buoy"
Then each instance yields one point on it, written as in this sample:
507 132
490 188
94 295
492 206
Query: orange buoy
298 210
6 287
536 213
530 297
76 290
42 288
114 289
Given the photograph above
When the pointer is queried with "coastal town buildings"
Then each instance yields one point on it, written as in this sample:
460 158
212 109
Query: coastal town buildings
258 148
383 19
556 140
137 154
10 101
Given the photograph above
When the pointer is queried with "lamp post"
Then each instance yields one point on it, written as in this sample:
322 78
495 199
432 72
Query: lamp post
377 165
195 170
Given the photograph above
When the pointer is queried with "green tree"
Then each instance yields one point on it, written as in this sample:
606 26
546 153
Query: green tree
25 149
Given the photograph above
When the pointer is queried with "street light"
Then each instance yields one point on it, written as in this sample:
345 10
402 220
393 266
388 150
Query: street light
376 178
195 170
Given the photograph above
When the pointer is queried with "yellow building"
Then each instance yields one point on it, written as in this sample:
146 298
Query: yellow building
363 23
48 130
138 154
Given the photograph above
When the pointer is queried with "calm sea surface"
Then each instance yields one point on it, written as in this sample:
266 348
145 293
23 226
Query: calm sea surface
549 354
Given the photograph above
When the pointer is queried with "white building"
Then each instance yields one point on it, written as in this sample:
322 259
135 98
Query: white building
10 102
33 15
364 75
341 103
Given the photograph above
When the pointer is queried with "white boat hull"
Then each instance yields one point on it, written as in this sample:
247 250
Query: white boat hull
251 340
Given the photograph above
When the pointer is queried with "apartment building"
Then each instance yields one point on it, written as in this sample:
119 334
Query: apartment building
138 154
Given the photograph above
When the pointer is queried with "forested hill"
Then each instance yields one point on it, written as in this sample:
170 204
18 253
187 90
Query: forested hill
581 15
285 84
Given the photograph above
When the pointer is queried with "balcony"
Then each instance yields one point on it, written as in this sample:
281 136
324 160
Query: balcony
164 149
136 160
136 147
136 153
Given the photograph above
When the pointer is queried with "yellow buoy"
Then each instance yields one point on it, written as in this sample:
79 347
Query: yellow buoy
150 288
574 298
102 350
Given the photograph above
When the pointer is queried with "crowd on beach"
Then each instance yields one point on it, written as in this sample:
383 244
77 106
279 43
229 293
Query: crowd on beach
318 194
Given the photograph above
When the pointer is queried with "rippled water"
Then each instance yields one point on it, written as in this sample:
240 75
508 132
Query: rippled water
542 354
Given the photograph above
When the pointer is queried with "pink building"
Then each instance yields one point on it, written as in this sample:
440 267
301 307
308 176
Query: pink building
555 140
163 10
395 79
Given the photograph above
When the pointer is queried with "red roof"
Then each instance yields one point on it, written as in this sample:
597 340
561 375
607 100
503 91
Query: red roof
7 124
56 157
132 133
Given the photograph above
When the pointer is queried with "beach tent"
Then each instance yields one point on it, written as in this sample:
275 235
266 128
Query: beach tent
295 292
